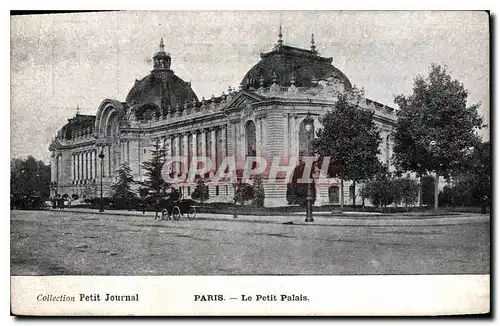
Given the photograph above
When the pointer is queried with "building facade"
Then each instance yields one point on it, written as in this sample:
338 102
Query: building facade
266 116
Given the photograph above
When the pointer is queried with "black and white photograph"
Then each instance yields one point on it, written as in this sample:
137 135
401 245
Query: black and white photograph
247 144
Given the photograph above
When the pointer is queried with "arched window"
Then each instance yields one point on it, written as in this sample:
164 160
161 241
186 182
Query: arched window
333 195
306 135
251 139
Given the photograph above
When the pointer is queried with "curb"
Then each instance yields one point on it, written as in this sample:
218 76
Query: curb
288 222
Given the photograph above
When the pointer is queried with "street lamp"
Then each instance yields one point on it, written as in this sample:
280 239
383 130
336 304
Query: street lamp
101 203
309 127
432 146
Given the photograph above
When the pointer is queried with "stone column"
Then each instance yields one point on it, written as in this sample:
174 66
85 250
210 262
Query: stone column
110 165
92 168
83 167
258 137
177 146
96 163
213 152
168 144
286 137
72 167
235 140
203 142
86 165
80 166
185 147
106 160
194 145
53 167
294 143
224 142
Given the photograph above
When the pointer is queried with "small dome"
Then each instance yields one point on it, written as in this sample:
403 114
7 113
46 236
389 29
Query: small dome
285 63
81 124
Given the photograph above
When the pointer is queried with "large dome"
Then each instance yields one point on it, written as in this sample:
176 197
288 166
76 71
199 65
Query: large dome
162 89
285 63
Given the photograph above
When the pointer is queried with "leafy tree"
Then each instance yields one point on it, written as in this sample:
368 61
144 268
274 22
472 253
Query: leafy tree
200 193
404 191
258 190
435 126
351 138
154 181
477 168
121 189
29 177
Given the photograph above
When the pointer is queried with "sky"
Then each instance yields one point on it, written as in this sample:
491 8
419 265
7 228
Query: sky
63 61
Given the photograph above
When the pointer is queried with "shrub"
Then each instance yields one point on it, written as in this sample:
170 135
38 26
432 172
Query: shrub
200 193
242 193
380 192
258 191
405 191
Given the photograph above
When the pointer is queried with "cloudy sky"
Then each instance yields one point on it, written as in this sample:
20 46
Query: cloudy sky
62 61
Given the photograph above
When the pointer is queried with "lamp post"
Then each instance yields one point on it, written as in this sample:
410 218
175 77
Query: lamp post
432 146
309 127
101 203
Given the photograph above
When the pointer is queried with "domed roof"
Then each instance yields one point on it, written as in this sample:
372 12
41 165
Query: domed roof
81 124
285 63
162 87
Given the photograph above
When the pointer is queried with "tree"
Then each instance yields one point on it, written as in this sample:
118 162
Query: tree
435 126
477 168
404 191
258 190
154 181
29 177
200 193
380 191
351 138
122 192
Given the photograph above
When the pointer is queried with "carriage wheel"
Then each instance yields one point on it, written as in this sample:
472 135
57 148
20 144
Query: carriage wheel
191 213
176 213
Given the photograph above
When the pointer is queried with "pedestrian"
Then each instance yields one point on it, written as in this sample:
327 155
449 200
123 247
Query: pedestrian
484 204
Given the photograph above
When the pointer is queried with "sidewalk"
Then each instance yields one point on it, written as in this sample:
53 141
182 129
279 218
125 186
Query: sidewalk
319 219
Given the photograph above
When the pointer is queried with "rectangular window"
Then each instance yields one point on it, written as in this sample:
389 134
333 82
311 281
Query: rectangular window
217 190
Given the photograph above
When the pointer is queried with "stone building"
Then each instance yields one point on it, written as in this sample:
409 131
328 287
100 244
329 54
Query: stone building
266 116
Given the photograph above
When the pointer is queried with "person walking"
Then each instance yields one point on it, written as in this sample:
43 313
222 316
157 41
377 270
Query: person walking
484 204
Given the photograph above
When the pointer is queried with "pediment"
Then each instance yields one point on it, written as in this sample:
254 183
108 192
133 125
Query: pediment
55 144
243 100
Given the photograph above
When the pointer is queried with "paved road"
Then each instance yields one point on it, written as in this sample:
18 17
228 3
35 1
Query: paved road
50 243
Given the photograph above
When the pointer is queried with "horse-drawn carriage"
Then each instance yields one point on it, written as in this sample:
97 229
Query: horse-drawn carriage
174 206
178 208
